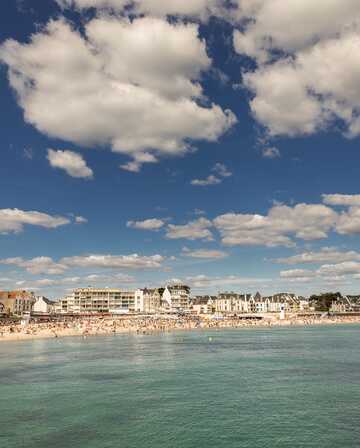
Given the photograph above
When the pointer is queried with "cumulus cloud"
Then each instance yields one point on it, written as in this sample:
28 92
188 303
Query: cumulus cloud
221 172
349 222
46 265
133 85
304 221
341 199
331 273
210 180
37 265
325 255
134 166
71 162
147 224
14 220
297 87
194 230
278 25
205 254
349 219
203 281
133 261
298 274
344 268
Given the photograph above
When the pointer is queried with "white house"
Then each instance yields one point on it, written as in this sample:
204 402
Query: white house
203 304
43 305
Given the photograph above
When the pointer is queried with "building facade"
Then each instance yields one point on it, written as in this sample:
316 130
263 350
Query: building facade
176 299
147 301
203 304
233 303
43 306
97 300
16 302
346 304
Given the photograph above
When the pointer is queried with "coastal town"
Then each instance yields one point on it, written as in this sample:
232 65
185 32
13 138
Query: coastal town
96 311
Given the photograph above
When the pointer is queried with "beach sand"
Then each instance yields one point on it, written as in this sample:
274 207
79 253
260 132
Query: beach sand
96 326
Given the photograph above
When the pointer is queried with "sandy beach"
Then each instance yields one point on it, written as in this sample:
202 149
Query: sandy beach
95 326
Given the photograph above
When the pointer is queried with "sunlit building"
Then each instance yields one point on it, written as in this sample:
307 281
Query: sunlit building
97 300
16 302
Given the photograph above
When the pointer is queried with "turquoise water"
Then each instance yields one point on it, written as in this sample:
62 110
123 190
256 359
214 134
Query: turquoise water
280 387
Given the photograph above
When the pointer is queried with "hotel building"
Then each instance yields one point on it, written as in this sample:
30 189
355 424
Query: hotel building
97 300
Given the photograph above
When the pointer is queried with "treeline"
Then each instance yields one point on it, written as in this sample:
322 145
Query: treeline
322 302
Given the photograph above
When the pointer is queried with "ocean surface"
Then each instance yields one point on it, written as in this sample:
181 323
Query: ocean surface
258 387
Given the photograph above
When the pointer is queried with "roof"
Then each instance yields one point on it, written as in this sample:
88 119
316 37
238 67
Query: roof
47 301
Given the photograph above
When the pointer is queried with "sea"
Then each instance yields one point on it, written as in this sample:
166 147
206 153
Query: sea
250 387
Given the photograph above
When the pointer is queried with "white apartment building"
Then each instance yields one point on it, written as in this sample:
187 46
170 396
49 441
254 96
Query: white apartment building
176 298
97 300
147 301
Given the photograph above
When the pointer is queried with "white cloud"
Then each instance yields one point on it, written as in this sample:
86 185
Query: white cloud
198 229
80 281
46 265
14 220
297 87
147 224
37 265
304 221
329 273
204 281
279 25
325 255
210 180
221 171
298 274
134 166
282 101
341 199
71 162
271 153
349 222
133 261
133 85
205 254
344 268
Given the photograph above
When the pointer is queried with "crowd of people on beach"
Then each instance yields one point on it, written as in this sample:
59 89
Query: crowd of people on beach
95 325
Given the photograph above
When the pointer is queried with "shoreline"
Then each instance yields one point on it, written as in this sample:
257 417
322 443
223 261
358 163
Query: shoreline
107 327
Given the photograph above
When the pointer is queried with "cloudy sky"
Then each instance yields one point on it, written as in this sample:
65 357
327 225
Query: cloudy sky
212 141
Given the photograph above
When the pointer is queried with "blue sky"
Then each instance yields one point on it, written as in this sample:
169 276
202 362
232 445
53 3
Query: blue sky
146 142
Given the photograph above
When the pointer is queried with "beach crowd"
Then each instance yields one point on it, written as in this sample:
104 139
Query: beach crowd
95 325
